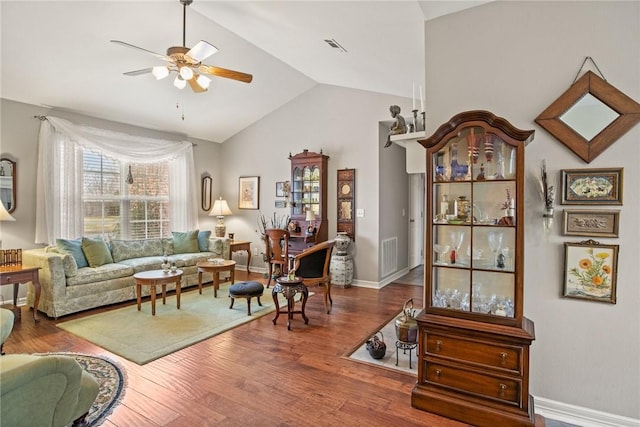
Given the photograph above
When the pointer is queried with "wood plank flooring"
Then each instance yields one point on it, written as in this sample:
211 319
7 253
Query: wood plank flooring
260 374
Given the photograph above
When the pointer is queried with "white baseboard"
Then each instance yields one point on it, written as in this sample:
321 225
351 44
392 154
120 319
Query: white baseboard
580 416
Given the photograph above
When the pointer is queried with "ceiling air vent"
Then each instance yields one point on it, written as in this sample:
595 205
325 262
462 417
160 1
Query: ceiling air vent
334 44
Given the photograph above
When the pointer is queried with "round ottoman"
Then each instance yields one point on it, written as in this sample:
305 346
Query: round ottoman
246 290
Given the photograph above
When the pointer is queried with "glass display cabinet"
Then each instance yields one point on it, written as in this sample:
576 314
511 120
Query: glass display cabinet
308 193
473 338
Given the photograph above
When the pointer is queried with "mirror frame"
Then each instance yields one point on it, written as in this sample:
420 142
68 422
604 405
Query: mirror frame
587 150
207 184
13 183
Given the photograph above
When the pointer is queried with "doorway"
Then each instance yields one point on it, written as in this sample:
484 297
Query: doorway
416 219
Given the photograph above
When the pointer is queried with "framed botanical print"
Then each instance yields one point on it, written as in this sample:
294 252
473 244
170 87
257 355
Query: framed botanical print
590 271
592 186
592 222
249 192
346 201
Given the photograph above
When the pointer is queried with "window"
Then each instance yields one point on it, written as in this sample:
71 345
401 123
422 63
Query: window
114 208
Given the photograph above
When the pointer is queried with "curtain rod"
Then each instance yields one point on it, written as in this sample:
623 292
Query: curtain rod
43 118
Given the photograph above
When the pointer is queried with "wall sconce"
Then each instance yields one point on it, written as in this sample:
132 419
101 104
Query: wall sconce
220 209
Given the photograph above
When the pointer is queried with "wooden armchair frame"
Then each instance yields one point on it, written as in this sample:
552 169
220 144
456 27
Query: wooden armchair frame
313 266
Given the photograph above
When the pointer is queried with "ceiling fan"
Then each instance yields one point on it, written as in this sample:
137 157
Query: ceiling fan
187 63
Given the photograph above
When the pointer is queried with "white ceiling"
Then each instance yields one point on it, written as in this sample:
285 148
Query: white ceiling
58 54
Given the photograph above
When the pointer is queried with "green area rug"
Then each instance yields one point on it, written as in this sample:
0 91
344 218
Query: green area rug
140 337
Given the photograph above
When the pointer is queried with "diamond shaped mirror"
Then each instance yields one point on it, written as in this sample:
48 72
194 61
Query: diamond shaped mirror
590 116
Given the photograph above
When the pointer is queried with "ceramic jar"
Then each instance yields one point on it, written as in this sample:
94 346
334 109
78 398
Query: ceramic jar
341 266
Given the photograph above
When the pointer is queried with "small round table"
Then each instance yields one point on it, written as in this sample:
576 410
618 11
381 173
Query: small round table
215 267
289 288
154 278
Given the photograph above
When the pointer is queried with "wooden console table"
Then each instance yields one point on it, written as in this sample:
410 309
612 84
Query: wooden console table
16 274
237 246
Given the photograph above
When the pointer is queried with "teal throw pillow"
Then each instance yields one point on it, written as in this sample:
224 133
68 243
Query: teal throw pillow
185 243
96 251
73 248
203 240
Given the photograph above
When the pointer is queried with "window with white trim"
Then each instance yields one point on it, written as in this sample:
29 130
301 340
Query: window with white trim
114 208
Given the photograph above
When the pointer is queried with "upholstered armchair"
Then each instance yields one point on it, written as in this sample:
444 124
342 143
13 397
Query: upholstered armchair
313 266
43 391
6 326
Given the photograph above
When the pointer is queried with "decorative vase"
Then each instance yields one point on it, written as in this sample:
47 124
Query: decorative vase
341 266
462 208
547 219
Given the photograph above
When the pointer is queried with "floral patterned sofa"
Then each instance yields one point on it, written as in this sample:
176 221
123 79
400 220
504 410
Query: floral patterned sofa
67 289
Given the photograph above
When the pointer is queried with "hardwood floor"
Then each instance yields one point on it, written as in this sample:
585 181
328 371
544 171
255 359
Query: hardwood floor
260 374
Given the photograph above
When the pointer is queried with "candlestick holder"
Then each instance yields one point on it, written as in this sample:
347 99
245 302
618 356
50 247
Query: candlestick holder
424 120
416 128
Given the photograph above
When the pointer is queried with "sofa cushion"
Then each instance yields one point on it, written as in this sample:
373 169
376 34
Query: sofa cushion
203 240
127 249
96 251
74 248
99 274
69 265
167 245
185 242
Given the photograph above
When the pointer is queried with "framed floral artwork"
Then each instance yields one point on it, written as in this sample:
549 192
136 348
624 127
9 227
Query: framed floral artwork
249 192
590 271
592 186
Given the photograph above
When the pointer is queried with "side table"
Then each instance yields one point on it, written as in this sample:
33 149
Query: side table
237 246
215 268
289 288
154 278
16 274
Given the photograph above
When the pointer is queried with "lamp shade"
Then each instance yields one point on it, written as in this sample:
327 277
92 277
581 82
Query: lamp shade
4 215
311 216
220 208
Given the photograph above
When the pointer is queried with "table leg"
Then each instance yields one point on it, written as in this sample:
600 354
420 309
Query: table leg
153 300
216 283
16 310
248 259
178 293
289 311
139 294
200 281
38 289
274 294
233 274
305 295
164 294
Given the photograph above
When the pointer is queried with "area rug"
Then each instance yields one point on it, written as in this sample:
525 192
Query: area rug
402 360
140 337
112 380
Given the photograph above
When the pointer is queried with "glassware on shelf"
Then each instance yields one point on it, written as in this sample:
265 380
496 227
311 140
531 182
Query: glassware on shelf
506 251
495 242
455 238
488 147
441 250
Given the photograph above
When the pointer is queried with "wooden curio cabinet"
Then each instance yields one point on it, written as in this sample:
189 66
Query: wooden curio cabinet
308 191
473 346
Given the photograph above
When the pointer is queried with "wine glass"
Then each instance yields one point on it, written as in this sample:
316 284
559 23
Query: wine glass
495 242
440 250
455 238
506 251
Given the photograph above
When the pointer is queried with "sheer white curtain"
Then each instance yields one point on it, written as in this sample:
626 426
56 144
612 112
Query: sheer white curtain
59 178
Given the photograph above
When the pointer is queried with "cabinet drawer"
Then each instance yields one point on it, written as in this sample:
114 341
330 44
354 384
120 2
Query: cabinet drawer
492 355
479 384
17 277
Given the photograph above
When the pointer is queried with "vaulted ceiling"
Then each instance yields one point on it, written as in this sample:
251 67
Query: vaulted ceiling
58 54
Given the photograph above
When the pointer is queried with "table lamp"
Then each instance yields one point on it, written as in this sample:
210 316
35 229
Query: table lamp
311 221
220 209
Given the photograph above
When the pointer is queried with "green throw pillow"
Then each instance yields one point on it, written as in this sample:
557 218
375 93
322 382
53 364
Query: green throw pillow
73 248
96 251
203 240
185 243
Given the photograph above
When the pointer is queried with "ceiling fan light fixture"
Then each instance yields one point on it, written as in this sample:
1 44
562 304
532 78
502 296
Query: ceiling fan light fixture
179 82
160 72
203 81
186 73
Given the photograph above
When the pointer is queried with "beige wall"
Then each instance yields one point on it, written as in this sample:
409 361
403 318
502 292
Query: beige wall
514 59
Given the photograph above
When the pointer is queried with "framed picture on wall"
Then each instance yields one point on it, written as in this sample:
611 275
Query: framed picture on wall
590 270
249 192
604 223
592 186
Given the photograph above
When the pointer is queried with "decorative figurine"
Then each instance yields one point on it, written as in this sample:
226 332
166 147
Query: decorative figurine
500 260
398 127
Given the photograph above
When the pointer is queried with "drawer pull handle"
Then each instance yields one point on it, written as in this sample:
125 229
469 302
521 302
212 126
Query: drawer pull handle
438 373
438 345
503 358
503 387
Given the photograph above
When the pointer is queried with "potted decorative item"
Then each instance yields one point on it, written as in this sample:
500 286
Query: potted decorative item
547 193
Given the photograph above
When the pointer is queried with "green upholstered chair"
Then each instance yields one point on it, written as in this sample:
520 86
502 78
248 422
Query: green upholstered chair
42 391
6 325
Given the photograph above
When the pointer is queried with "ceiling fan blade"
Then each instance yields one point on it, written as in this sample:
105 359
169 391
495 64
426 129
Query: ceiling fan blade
138 72
157 55
228 74
195 86
201 51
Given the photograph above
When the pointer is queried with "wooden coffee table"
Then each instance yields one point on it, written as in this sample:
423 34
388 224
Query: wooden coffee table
215 268
154 278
